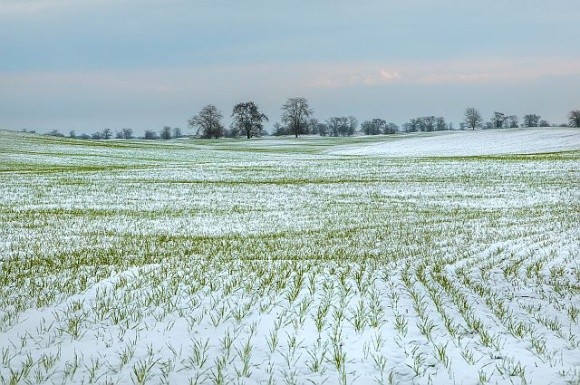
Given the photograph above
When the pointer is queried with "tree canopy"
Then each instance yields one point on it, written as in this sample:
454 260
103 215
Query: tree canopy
248 119
574 118
472 117
295 114
208 122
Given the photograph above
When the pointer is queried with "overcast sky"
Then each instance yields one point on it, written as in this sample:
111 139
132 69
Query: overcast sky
91 64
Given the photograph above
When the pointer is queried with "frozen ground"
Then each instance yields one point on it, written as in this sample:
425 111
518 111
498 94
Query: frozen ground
277 261
470 143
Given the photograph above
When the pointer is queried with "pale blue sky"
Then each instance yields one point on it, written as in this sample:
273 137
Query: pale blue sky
86 65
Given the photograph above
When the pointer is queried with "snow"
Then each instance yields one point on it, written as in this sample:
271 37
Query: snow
473 143
196 263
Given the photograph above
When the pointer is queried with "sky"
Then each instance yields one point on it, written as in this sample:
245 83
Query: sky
94 64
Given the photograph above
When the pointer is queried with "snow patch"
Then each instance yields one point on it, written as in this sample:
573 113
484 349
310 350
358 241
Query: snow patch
472 143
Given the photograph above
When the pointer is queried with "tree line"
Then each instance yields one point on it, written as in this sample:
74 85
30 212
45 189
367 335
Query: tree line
297 118
125 133
473 119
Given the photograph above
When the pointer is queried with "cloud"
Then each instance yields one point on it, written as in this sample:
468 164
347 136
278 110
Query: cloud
160 96
31 6
487 71
484 71
350 75
15 7
292 77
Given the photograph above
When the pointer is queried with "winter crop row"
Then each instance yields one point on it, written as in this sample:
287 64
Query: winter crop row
214 264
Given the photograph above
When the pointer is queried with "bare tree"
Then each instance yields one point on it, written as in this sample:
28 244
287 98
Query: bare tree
391 128
150 134
341 125
295 114
352 125
574 118
412 125
428 123
317 127
56 133
544 123
248 119
107 133
440 124
374 127
336 125
177 132
165 133
531 120
513 121
208 122
127 133
473 118
279 130
498 120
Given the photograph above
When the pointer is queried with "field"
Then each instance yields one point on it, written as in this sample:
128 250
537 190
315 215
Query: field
289 261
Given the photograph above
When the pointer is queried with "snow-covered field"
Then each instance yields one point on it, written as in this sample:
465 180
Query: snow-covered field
471 143
289 262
